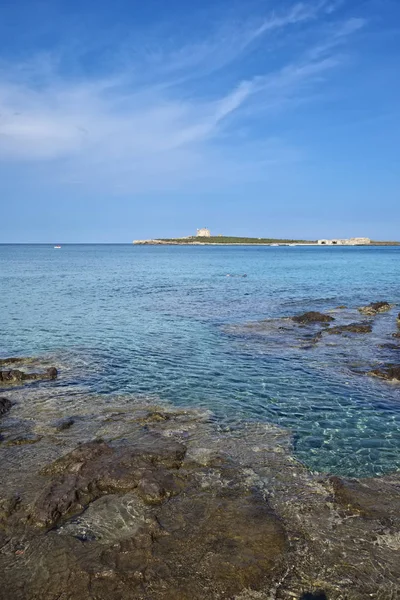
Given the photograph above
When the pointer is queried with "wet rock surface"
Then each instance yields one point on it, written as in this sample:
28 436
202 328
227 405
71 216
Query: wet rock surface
158 504
197 531
21 439
5 405
312 317
15 376
350 328
375 308
96 468
63 424
389 372
373 498
12 360
389 346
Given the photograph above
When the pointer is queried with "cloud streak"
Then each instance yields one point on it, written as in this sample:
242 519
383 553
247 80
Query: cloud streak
126 134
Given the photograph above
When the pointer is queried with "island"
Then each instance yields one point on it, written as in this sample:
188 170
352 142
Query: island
204 237
224 240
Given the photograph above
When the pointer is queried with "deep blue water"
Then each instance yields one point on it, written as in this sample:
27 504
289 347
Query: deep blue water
153 320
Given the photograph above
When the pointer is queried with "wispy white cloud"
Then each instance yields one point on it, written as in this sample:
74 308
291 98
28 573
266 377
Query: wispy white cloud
228 43
125 134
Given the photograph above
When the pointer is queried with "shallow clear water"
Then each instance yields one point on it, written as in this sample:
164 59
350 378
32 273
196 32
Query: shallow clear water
158 321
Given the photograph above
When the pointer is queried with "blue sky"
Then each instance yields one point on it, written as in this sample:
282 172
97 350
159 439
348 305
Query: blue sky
124 119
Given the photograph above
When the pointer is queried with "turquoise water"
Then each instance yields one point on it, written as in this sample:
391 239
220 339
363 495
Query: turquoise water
160 321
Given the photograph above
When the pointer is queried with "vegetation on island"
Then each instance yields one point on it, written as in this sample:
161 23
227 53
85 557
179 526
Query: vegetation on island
374 243
226 240
221 239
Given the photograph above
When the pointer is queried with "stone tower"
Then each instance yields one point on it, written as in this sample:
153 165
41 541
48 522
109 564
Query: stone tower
203 233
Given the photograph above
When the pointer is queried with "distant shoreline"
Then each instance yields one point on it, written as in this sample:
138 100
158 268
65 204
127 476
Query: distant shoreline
232 241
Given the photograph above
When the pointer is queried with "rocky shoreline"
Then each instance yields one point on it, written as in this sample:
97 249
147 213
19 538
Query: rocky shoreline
127 500
309 330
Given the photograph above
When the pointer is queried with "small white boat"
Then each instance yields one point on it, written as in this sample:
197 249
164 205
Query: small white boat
57 247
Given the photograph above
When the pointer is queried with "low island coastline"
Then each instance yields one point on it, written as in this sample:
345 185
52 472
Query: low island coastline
246 241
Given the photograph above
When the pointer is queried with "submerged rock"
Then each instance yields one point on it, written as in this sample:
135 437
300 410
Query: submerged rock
202 545
374 308
5 405
22 439
96 468
370 498
312 317
17 376
178 529
351 328
230 537
14 360
221 515
63 424
154 416
390 346
388 372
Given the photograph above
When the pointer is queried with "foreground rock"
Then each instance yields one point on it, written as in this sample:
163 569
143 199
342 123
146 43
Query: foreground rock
388 372
161 504
371 498
196 533
375 308
96 469
312 317
351 328
17 376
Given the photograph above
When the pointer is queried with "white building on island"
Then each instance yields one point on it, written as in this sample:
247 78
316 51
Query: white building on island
360 241
203 233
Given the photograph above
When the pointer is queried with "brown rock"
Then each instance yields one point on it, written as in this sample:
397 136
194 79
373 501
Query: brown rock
96 468
13 360
374 308
388 372
22 439
312 317
201 545
351 328
389 346
63 424
5 405
231 539
370 498
16 376
8 506
197 532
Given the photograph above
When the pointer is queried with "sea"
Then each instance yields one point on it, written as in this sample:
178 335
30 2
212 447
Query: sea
170 323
